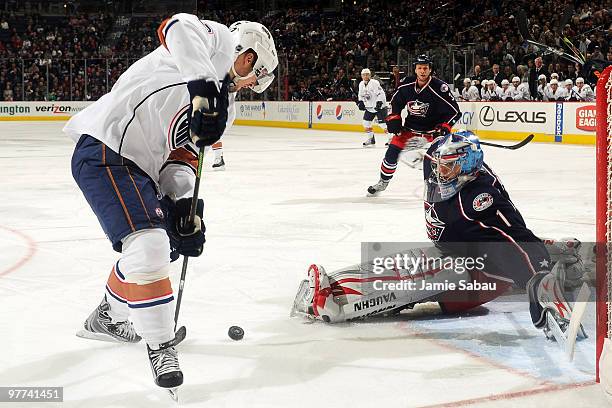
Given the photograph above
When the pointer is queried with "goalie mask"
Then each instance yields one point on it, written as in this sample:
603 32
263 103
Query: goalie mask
455 162
255 36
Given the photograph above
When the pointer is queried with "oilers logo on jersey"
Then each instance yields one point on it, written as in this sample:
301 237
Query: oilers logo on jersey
179 129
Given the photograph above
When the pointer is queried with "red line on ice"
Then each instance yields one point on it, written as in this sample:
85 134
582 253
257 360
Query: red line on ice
31 250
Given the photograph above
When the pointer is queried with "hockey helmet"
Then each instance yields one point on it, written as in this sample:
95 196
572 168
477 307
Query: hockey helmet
456 161
422 59
366 71
249 35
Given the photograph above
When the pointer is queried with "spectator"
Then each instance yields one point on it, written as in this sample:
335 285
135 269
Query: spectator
534 75
497 76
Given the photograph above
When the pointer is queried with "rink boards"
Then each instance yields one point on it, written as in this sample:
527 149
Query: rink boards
556 122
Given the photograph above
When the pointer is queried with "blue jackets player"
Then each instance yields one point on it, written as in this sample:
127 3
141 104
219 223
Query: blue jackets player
431 110
468 215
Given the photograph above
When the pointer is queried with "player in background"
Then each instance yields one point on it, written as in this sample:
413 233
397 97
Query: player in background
373 101
542 86
431 110
506 91
218 163
468 215
135 162
554 92
584 90
571 95
469 93
492 92
520 90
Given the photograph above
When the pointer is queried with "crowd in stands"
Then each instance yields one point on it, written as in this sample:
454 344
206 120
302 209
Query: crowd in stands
79 57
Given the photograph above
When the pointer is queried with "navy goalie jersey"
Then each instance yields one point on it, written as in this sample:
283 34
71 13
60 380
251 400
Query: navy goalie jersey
427 106
481 219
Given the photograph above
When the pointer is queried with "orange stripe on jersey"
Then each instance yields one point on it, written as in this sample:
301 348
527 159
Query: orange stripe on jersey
125 210
144 207
218 145
119 288
160 33
138 293
183 155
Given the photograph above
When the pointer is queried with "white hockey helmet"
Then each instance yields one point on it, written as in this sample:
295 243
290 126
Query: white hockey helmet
569 82
484 82
516 79
249 35
505 82
579 80
541 76
467 81
554 82
554 75
366 71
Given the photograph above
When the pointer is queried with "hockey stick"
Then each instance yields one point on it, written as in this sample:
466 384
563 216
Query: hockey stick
510 147
192 212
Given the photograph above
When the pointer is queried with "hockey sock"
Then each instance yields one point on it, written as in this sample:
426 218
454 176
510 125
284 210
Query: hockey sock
389 163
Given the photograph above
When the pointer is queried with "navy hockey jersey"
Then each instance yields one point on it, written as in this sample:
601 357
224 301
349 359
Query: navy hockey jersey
428 106
481 219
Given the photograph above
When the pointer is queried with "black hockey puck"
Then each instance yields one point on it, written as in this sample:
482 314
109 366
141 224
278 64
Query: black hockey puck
235 333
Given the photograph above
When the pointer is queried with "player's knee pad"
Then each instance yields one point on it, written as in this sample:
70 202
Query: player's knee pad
146 256
367 125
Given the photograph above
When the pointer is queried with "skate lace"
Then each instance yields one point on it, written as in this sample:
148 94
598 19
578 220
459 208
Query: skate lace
124 329
164 360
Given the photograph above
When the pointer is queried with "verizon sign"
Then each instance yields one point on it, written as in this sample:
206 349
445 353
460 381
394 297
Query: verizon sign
585 118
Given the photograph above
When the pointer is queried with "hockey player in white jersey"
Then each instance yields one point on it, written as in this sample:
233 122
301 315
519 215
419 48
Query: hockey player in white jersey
520 90
570 94
542 86
505 92
469 93
373 101
584 90
492 92
135 162
554 92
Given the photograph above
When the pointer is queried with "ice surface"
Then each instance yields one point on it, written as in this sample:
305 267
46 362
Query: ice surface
287 199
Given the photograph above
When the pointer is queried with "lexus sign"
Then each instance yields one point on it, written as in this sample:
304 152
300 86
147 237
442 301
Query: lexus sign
488 115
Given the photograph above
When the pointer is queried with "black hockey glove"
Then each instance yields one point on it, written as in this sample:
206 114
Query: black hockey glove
394 123
361 105
186 239
442 129
209 110
378 105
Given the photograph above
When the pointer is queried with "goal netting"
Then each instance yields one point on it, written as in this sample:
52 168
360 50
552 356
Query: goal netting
604 229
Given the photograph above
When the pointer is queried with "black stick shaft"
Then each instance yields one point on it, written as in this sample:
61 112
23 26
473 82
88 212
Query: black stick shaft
194 206
511 147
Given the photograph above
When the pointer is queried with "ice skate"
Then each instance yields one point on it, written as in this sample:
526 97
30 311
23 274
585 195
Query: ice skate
314 298
370 142
165 367
100 326
551 312
377 188
219 164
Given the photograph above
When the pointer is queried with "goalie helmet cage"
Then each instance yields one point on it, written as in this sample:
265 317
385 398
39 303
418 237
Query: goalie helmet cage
604 211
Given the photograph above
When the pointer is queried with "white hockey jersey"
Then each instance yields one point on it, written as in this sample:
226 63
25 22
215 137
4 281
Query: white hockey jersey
370 93
145 115
550 95
586 93
470 94
521 92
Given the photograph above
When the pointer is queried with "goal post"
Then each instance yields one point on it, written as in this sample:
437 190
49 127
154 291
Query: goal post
603 225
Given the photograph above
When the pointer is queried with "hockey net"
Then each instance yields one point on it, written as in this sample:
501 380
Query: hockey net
604 212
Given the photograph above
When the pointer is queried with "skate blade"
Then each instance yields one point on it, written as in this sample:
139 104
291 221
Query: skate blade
220 168
173 392
84 334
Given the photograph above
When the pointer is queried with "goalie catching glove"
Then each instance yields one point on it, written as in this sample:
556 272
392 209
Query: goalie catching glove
187 240
209 105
